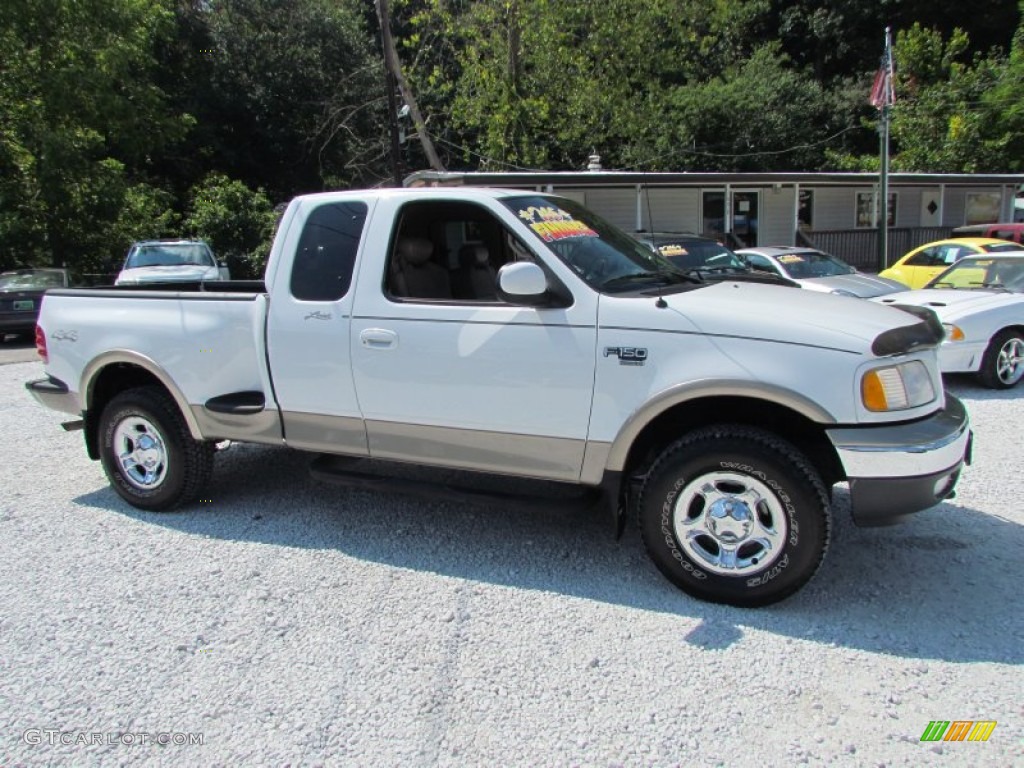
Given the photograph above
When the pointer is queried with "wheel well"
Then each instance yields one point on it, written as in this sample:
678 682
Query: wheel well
107 384
1018 329
806 435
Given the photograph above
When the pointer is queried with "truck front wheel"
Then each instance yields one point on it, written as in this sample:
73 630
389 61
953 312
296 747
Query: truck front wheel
733 514
147 452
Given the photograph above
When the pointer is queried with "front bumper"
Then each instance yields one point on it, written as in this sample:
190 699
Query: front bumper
54 394
900 469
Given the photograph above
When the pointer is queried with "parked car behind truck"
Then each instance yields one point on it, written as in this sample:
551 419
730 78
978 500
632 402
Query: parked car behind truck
518 334
21 295
980 301
922 264
815 270
170 261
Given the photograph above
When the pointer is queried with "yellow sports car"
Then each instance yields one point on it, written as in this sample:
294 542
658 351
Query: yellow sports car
925 262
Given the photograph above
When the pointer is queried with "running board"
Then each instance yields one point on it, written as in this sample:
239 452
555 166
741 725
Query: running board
340 471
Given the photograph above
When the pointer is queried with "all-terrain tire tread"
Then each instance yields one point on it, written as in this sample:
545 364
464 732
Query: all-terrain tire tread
787 452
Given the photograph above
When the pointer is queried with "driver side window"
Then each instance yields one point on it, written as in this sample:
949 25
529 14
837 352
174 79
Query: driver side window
449 251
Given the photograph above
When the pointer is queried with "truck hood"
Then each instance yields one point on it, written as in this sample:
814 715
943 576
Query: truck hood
950 303
857 284
781 314
164 274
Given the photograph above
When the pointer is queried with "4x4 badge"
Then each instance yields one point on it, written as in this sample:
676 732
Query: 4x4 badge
627 355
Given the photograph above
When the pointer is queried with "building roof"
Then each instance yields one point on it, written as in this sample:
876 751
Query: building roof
699 178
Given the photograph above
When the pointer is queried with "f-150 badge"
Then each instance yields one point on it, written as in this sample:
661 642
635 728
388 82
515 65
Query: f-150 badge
627 355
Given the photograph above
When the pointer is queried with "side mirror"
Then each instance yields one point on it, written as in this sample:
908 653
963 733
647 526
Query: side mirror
523 282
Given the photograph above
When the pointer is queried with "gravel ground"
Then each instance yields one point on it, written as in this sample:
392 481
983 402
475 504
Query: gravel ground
289 622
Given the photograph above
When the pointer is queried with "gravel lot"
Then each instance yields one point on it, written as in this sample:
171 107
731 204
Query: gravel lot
290 622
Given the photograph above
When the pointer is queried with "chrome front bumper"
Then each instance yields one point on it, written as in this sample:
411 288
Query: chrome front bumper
904 468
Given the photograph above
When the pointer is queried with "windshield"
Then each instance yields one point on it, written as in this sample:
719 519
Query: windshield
805 264
687 253
1000 247
28 280
605 257
169 255
1004 273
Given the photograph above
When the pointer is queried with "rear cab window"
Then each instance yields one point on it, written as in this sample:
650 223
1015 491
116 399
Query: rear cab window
326 253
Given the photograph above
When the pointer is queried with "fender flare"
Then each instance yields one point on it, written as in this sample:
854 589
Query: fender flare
618 451
128 357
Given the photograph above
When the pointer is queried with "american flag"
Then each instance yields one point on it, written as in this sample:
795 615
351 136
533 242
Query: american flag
882 94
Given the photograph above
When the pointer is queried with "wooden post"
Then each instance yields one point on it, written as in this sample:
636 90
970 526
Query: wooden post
394 68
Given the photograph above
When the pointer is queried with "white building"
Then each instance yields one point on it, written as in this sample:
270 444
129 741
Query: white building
836 212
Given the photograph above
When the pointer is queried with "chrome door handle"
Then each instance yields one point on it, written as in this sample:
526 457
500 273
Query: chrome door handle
378 338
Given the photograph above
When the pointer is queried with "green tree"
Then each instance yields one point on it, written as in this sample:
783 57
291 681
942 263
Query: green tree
288 94
540 83
943 120
237 222
760 114
1004 103
79 120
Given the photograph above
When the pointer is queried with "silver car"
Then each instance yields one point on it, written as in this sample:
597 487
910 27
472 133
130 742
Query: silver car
818 271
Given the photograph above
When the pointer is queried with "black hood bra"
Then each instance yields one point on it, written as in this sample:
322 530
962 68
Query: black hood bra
909 338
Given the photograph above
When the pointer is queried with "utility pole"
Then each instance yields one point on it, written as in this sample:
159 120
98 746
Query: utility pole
882 96
396 148
394 69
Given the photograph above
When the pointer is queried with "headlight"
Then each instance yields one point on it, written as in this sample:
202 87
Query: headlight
897 387
953 333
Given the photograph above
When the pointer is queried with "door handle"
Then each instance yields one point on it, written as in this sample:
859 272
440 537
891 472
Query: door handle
378 338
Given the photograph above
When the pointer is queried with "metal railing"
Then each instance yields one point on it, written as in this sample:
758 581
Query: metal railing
859 247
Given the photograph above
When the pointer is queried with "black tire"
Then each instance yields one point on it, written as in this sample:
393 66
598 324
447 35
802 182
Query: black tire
147 452
1002 365
741 487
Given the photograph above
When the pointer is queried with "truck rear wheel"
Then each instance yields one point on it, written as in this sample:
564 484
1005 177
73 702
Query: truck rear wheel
147 452
733 514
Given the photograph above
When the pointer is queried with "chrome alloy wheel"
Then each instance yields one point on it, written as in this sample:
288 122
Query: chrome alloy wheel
141 453
731 523
1010 362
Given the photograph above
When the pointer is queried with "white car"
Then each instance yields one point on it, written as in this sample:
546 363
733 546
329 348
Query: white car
817 271
170 261
980 301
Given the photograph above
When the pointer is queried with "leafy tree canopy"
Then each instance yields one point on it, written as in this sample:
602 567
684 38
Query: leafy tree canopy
130 119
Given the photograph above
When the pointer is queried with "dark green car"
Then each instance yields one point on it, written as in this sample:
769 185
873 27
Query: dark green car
21 293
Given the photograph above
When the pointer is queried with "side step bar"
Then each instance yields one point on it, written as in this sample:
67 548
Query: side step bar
340 470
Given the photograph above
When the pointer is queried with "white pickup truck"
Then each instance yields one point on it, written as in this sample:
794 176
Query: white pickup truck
516 333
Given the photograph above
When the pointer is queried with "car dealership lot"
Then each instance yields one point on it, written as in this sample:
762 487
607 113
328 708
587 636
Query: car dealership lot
286 621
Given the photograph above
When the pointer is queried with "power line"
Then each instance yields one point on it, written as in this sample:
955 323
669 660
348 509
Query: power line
738 155
691 152
485 158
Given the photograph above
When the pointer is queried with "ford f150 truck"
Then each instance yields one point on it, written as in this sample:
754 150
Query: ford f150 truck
516 333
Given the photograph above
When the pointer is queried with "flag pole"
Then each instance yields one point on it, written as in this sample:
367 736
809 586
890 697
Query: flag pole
883 134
